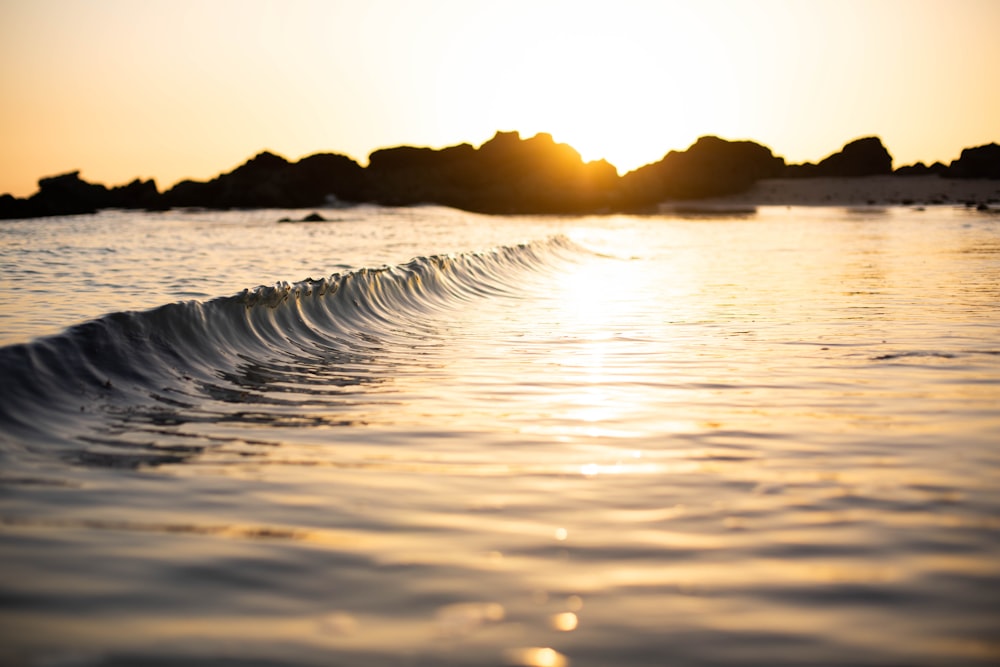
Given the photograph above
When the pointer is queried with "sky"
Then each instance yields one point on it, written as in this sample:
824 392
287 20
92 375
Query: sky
174 89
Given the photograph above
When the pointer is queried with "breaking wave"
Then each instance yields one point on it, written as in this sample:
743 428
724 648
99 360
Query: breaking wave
323 334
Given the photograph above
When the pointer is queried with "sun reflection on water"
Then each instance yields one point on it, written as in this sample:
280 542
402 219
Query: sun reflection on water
594 308
536 657
565 621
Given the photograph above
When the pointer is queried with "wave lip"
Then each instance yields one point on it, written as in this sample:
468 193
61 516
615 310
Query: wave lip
337 328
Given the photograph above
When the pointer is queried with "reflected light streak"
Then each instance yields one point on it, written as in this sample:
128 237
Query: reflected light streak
590 303
593 297
618 468
536 657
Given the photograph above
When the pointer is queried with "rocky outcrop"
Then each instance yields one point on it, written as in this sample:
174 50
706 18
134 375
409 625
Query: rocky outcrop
270 181
322 176
978 162
506 174
136 194
68 194
312 217
711 167
267 180
861 157
921 169
407 175
800 170
12 207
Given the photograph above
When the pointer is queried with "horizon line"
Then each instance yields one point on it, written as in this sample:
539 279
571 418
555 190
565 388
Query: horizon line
364 164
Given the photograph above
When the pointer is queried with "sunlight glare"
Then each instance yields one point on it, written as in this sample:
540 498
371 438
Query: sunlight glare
582 75
567 621
536 657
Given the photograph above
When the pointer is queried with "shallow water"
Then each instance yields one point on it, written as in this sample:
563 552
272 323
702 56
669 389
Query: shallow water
759 440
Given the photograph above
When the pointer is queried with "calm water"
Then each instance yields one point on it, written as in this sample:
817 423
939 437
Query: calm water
764 440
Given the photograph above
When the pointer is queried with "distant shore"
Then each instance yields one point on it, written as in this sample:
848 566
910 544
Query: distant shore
892 190
512 175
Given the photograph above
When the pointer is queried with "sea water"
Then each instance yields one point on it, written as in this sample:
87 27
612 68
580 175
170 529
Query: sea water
438 438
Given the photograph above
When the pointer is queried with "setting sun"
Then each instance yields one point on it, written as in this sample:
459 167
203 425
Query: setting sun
601 82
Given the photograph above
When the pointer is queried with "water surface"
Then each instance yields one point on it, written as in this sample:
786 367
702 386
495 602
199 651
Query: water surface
441 438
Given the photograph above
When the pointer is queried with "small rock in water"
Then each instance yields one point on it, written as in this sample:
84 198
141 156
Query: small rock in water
312 217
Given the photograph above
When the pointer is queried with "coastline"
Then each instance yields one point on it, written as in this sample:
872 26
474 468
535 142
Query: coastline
890 190
512 175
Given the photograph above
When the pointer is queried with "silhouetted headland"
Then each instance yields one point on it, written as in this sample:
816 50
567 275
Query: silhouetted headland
861 157
505 175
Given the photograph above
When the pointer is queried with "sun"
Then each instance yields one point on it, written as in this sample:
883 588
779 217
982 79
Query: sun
626 86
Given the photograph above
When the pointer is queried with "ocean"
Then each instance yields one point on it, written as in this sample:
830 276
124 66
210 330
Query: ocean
420 436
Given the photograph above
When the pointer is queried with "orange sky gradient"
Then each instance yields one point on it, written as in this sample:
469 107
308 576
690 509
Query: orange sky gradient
190 88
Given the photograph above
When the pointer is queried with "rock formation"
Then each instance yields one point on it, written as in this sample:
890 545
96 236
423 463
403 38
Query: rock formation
978 162
270 181
505 175
921 169
68 194
861 157
711 167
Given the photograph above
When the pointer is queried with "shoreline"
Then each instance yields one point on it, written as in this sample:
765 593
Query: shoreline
890 190
512 175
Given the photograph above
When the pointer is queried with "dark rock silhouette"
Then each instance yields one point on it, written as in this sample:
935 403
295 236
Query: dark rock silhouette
323 175
12 207
136 194
312 217
407 175
978 162
921 169
505 175
711 167
861 157
68 194
800 170
270 181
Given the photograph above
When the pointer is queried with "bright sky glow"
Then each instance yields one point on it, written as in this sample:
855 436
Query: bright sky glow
190 88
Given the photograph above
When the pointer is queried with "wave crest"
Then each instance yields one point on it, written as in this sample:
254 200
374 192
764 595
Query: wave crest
195 349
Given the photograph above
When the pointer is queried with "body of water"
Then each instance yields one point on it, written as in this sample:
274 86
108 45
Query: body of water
438 438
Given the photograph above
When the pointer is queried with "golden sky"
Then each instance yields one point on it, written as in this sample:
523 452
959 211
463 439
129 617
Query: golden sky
171 89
